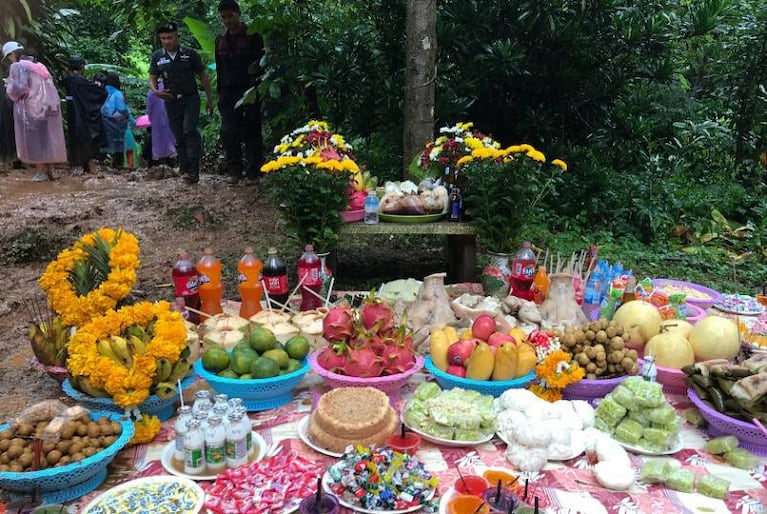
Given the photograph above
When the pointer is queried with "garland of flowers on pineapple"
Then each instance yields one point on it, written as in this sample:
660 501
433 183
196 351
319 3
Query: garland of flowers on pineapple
129 385
76 309
555 369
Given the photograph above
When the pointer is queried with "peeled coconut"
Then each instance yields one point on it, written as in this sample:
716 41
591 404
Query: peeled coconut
676 326
640 321
671 350
715 337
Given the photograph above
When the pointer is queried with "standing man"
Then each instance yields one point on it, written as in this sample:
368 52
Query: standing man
84 101
238 57
172 71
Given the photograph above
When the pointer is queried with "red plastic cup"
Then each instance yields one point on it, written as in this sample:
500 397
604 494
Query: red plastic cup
408 444
473 485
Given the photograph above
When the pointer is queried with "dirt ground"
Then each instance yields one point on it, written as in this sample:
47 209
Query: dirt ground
166 215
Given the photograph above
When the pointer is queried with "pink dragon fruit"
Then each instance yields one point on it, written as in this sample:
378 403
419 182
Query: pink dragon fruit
333 358
338 324
368 339
376 314
362 363
356 201
397 357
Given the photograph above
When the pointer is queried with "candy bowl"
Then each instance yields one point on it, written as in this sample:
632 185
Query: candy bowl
150 494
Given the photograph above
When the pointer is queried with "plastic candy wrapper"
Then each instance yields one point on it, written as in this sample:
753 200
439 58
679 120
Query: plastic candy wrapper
654 472
713 486
741 458
42 411
721 445
681 480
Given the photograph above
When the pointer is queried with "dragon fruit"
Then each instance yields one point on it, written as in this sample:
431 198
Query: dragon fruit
333 358
362 363
356 201
397 357
338 324
376 314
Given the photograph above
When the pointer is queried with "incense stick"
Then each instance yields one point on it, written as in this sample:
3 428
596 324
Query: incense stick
300 282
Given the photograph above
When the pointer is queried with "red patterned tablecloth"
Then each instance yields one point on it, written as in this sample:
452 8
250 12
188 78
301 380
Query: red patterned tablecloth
562 487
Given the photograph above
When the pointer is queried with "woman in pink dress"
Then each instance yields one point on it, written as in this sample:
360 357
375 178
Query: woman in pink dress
36 114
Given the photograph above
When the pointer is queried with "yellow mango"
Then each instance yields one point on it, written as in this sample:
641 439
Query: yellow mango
466 334
451 333
481 363
438 345
518 334
526 359
506 362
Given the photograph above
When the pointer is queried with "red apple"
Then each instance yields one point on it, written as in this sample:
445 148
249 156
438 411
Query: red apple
483 326
459 352
496 339
458 371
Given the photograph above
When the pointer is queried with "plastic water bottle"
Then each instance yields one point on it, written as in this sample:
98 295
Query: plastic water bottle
371 208
649 370
211 289
523 272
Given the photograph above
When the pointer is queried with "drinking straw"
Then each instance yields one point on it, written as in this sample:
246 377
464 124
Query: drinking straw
760 425
402 430
511 508
300 282
498 492
526 482
268 303
180 392
480 507
536 505
330 290
315 293
463 480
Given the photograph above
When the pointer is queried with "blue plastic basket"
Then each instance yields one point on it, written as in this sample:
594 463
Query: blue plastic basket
154 406
66 483
493 388
257 393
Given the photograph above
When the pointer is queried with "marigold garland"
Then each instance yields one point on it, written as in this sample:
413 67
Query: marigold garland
75 309
146 429
128 387
555 372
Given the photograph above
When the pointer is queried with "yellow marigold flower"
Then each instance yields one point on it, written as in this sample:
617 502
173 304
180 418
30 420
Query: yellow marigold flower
473 143
550 395
536 155
558 371
525 148
145 429
464 160
560 164
465 125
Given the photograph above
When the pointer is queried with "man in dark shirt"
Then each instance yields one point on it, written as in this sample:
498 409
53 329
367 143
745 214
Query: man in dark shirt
84 101
172 71
238 56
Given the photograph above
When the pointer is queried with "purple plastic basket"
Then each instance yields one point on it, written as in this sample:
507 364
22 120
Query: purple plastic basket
590 389
714 296
749 435
389 384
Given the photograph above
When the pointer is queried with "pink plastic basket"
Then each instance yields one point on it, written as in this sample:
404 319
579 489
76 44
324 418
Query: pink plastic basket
352 216
749 435
591 389
673 380
389 384
714 296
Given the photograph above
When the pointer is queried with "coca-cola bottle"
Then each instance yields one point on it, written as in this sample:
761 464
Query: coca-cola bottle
523 272
185 282
309 268
275 276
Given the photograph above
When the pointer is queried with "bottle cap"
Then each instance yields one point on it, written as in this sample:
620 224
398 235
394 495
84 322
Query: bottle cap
208 251
272 250
526 244
249 249
309 248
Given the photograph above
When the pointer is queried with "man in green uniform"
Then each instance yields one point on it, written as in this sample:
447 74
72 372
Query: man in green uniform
172 71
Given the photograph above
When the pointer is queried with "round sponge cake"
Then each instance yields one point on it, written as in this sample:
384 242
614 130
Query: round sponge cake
338 443
352 412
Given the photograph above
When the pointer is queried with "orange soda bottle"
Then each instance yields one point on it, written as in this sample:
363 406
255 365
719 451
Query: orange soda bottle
540 286
211 289
249 283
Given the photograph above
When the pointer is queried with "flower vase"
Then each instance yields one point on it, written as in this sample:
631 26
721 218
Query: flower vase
326 275
496 277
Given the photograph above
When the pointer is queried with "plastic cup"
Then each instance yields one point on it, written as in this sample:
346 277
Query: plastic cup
408 444
467 504
328 505
471 485
507 501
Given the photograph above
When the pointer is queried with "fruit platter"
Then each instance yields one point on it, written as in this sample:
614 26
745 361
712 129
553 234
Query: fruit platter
427 200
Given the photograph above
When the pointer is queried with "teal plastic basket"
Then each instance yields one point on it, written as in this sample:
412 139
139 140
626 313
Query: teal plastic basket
66 483
257 393
493 388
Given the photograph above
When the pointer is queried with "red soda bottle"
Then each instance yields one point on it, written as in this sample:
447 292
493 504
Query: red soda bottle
211 289
523 272
309 277
249 283
276 279
185 282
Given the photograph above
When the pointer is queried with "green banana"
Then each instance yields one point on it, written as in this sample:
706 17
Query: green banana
164 369
136 346
138 331
120 348
104 347
181 369
166 390
83 384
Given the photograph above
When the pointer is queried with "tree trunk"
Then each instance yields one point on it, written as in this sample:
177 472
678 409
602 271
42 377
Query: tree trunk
420 72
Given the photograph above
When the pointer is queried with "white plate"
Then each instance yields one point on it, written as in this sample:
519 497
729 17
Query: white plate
303 434
676 445
167 459
357 508
577 445
451 443
749 306
149 482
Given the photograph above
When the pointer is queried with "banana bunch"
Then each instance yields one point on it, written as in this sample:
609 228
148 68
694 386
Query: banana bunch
49 340
364 181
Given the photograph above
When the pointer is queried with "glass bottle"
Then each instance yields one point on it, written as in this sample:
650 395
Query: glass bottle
182 427
194 449
248 429
236 442
202 402
215 444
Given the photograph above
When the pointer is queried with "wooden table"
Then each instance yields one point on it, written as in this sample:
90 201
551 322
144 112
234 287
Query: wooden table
460 242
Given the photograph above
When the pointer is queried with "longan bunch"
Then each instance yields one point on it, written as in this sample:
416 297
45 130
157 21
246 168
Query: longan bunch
77 440
598 347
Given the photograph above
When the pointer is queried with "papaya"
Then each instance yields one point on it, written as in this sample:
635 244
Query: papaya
526 359
466 334
481 363
506 362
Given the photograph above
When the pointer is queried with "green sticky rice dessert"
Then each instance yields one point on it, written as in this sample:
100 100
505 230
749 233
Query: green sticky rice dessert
623 396
647 394
628 431
639 417
693 417
741 458
661 415
650 446
610 411
681 480
426 390
713 486
466 434
657 436
602 426
721 445
654 472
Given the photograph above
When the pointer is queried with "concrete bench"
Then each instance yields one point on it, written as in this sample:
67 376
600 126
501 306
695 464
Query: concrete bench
460 242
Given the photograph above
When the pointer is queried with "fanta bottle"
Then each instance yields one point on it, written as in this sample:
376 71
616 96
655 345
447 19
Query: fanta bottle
523 272
185 282
541 283
309 277
249 283
211 289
